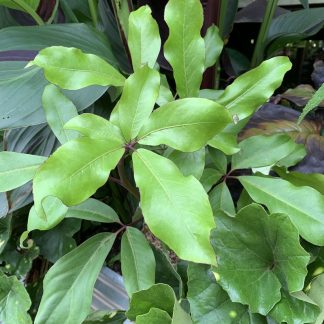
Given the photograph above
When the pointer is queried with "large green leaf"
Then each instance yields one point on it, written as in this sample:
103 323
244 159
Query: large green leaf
68 285
137 261
58 110
226 142
63 174
95 127
209 303
185 48
93 210
260 151
192 163
254 87
314 180
180 219
185 124
303 205
143 38
33 4
58 241
316 294
17 169
214 46
14 301
16 88
137 101
293 27
71 69
257 254
158 296
295 308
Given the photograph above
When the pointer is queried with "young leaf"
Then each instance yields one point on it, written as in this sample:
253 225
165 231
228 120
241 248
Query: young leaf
58 110
95 127
214 45
17 169
209 303
71 69
185 124
303 205
254 87
220 199
137 261
180 219
68 285
295 308
93 210
144 40
137 101
14 301
54 212
266 251
63 174
185 48
312 103
259 151
226 142
165 94
158 296
156 316
192 163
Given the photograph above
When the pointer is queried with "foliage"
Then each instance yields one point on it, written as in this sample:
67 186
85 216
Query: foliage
151 171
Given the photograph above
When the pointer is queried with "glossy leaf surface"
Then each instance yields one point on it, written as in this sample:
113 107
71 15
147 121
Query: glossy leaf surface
280 196
185 124
220 199
256 255
143 38
137 101
17 169
71 69
93 210
254 88
58 110
71 277
62 175
213 44
181 220
137 261
259 151
185 48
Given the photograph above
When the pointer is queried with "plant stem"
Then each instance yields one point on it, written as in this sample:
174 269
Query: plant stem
27 8
68 12
124 180
263 33
50 20
93 6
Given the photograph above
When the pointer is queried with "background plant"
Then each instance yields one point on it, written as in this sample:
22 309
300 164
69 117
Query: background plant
169 163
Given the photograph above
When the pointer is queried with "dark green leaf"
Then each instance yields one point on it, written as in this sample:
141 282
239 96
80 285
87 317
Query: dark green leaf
171 211
5 231
104 317
185 48
257 254
295 308
219 160
68 285
33 4
137 261
209 178
220 199
280 196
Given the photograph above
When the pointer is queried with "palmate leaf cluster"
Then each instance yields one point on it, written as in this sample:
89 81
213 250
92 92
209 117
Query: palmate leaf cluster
244 261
